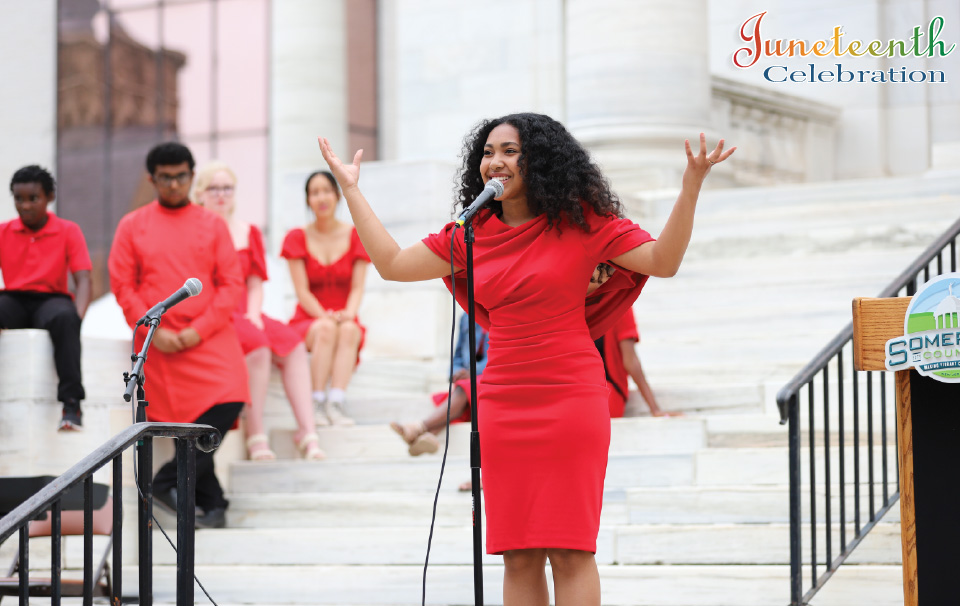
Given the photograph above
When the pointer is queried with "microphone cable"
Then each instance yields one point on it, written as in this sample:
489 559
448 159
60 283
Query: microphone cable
446 442
135 400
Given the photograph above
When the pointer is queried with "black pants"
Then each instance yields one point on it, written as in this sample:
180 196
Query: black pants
209 493
57 314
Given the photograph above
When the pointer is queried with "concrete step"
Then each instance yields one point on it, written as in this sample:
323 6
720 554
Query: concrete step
672 544
659 435
352 585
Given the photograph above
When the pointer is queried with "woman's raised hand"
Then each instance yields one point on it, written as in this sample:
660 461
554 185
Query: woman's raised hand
698 166
347 175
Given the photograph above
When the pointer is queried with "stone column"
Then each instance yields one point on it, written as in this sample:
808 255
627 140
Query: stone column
638 84
28 43
308 91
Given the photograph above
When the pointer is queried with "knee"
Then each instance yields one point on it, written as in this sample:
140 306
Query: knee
66 320
258 358
565 560
520 561
324 330
349 332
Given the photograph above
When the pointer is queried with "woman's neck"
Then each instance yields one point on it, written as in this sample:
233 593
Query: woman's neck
516 212
325 224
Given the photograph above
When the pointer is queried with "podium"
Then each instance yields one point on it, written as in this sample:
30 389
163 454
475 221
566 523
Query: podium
928 439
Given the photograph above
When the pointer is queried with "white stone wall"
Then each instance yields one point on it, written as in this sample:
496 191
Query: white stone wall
28 45
446 65
308 92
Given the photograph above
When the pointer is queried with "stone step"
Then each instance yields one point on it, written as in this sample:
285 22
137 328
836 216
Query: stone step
649 505
421 474
641 585
710 467
670 544
745 504
660 435
350 585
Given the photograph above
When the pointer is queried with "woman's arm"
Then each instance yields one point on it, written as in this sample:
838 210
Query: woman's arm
411 264
255 300
358 281
301 285
662 257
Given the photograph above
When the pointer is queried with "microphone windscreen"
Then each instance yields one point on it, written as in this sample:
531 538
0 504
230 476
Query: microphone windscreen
193 286
497 187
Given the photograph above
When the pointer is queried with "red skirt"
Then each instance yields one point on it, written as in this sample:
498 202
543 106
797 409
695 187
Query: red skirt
280 338
440 399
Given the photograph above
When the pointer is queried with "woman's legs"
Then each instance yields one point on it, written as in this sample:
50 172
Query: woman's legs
576 580
321 339
258 372
295 370
525 578
345 354
438 418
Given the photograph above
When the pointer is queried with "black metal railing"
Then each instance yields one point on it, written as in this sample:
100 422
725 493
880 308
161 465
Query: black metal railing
190 438
831 488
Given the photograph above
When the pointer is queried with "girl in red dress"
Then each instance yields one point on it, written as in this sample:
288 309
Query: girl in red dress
542 401
328 266
263 339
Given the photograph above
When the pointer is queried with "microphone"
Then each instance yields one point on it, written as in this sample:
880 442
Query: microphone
190 288
493 189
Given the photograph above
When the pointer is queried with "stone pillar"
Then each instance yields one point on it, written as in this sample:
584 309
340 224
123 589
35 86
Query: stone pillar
308 91
638 84
28 43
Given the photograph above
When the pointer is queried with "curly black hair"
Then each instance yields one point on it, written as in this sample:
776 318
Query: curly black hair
35 174
558 172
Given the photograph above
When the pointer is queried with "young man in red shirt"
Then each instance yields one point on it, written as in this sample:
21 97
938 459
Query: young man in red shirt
37 249
195 372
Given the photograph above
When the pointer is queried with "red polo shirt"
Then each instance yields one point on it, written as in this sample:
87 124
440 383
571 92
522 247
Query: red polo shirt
38 261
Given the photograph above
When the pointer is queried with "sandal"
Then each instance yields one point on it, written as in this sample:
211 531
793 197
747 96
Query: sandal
409 431
309 447
425 443
263 453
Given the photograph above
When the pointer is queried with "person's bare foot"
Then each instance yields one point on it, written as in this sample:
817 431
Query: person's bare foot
468 486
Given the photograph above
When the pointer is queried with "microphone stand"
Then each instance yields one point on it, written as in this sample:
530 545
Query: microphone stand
474 431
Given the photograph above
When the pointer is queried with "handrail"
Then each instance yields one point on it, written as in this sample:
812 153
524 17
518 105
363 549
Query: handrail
825 391
208 439
808 372
190 439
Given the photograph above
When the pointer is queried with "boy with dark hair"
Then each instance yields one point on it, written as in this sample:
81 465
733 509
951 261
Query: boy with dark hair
37 249
196 371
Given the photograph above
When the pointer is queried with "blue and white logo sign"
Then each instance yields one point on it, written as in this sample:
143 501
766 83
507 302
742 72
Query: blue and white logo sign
931 341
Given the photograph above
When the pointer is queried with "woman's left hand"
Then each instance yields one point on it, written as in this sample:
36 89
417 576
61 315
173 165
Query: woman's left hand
698 166
347 175
255 319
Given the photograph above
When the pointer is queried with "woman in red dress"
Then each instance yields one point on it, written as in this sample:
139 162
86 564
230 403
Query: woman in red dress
328 266
542 401
263 339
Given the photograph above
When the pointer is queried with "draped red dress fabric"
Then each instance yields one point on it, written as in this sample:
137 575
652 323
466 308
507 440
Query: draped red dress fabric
154 251
542 399
280 338
330 284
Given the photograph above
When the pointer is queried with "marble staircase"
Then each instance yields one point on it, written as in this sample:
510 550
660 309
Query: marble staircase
695 508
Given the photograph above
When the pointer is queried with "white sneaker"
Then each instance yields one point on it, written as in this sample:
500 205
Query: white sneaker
334 412
319 417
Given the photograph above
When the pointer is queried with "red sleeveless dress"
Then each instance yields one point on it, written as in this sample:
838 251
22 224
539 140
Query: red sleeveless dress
542 399
280 338
330 284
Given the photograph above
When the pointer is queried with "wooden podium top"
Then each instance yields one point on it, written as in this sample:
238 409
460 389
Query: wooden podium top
876 321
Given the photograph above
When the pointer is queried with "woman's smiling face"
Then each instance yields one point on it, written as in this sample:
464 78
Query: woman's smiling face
501 161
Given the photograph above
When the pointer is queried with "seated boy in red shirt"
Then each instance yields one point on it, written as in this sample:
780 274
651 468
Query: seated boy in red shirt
36 251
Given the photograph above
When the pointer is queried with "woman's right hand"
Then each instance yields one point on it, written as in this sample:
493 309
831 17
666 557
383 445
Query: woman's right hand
347 175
